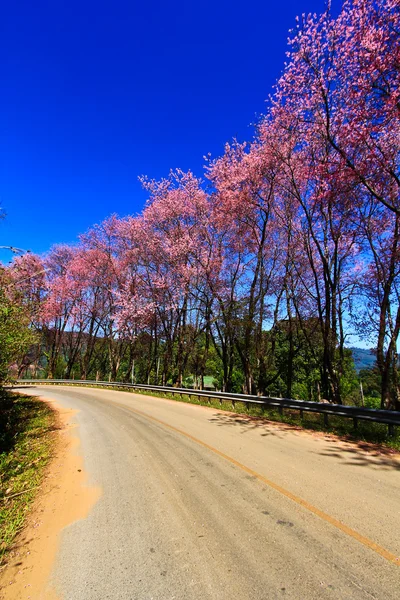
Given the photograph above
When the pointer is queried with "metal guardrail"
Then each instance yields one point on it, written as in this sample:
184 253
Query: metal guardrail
388 417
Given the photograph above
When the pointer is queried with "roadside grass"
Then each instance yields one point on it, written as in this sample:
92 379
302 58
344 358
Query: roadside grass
26 446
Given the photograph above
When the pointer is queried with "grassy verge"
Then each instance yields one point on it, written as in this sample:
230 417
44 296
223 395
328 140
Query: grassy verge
25 449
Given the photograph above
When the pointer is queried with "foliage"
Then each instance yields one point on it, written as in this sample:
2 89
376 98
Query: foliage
15 334
371 382
25 448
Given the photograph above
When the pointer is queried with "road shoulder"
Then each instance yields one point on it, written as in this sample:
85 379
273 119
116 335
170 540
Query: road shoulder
64 498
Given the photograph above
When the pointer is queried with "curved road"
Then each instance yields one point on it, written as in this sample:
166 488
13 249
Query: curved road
201 504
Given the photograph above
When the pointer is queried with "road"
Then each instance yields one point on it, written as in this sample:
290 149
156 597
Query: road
201 504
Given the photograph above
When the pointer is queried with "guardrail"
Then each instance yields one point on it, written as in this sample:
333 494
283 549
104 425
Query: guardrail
388 417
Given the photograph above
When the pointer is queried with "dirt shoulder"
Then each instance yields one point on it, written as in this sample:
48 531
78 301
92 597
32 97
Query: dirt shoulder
63 498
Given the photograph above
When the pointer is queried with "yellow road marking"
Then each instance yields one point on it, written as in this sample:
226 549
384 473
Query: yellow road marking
313 509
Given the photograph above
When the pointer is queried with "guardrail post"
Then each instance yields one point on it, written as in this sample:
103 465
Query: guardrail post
355 423
391 429
326 420
280 410
233 403
301 414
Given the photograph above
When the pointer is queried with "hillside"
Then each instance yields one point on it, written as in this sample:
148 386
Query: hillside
364 358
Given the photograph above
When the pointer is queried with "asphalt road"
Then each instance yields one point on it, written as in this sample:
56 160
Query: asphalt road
200 504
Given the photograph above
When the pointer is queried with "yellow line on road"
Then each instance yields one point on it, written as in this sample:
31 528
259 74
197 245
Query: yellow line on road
313 509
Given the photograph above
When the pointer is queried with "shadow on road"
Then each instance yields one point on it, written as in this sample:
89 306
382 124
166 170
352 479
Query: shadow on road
347 452
248 423
363 454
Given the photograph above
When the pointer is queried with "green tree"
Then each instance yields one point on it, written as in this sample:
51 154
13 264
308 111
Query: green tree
15 334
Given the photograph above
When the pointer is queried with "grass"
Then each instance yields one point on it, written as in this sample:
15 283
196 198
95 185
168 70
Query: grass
25 448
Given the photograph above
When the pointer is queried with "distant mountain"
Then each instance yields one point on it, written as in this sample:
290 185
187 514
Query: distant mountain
364 358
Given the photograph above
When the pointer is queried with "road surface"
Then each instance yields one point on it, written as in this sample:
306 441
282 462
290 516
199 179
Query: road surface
201 504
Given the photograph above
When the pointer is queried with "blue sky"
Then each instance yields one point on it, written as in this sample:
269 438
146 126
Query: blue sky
95 94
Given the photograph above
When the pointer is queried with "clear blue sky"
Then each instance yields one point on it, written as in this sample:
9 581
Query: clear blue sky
96 93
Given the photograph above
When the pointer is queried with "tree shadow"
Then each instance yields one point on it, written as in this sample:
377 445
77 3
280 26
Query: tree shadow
363 454
246 423
16 415
348 452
